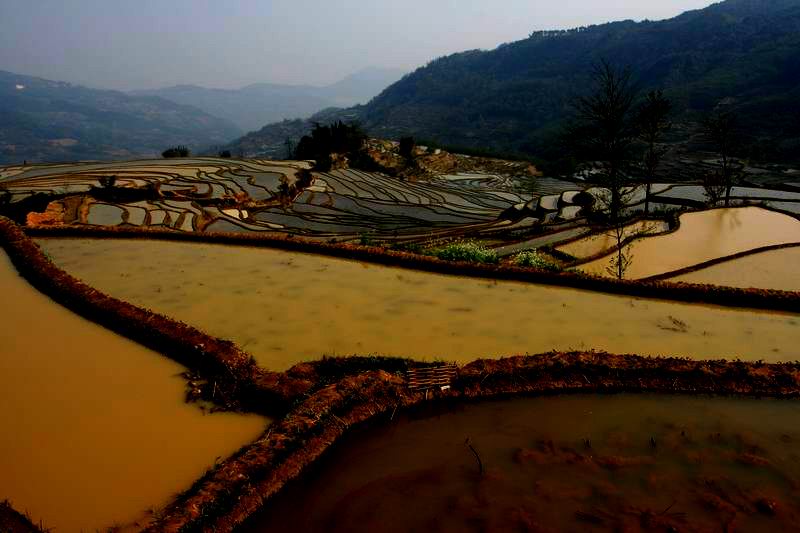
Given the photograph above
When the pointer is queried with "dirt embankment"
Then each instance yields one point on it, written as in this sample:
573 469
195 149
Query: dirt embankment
229 495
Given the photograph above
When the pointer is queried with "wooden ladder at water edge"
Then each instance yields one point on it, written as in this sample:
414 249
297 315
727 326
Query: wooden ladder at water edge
431 377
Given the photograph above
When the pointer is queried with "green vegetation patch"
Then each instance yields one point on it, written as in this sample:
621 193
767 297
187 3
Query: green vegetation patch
535 259
468 251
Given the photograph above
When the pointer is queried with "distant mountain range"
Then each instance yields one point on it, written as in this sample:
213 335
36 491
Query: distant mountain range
47 121
744 54
254 106
43 120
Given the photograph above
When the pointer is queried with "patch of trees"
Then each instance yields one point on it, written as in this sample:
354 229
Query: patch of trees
337 138
176 151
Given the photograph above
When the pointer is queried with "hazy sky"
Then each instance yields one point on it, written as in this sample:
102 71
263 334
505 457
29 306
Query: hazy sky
131 44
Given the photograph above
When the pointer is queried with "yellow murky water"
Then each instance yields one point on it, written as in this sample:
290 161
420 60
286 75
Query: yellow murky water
705 236
93 427
600 242
286 307
775 269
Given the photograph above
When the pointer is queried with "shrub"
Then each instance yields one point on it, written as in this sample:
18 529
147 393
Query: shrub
467 251
107 182
366 239
225 154
534 259
407 146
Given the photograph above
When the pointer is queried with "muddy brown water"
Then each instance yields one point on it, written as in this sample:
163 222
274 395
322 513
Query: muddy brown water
569 463
773 269
95 430
285 307
704 236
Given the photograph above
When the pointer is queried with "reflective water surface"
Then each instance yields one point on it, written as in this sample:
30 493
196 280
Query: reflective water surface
575 463
95 430
704 236
775 269
286 307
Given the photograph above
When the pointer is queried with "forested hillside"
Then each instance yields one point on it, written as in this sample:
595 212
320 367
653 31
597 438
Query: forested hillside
743 53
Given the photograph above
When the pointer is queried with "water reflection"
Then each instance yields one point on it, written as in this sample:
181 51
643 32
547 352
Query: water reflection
351 308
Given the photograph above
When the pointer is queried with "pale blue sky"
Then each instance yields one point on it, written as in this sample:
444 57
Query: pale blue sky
133 44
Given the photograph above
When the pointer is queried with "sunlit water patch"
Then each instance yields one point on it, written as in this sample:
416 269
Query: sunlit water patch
704 236
95 430
287 307
774 269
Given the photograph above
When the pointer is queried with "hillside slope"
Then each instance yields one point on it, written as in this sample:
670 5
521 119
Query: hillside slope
514 98
43 120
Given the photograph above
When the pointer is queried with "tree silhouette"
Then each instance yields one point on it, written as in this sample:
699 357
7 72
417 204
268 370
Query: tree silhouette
176 151
652 121
603 129
721 129
335 138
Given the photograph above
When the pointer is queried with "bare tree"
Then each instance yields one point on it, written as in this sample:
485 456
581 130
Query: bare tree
714 185
602 134
618 230
604 129
721 129
652 119
623 257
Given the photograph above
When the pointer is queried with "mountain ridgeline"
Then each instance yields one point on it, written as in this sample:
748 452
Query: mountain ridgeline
742 54
255 105
43 120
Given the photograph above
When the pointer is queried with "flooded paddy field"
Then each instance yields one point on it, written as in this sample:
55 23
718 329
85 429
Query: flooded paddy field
773 269
285 308
598 243
562 463
231 195
704 236
95 430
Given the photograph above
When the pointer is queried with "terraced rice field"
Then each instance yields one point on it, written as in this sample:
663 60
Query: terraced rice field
601 242
351 201
187 189
95 427
704 236
285 308
224 195
774 269
566 463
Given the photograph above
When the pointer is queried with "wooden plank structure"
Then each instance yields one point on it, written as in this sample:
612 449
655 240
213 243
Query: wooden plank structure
424 378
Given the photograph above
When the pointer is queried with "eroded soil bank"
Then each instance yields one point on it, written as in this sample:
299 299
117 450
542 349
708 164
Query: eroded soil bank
564 463
287 307
95 427
704 236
